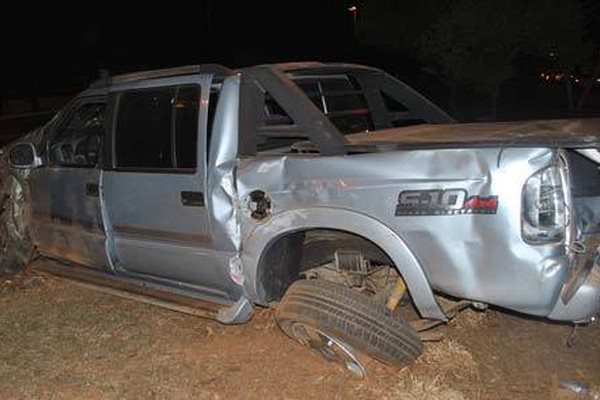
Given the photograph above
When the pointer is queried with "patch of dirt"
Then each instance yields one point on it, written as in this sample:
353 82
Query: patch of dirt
61 341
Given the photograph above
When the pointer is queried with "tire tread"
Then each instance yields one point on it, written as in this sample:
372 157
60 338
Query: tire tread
352 317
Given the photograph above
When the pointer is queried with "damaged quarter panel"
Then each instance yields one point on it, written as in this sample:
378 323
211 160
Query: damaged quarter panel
463 249
223 200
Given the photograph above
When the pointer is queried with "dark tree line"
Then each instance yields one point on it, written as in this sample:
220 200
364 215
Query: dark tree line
477 44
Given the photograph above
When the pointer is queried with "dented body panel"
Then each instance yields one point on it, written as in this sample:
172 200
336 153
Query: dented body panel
465 255
444 203
65 221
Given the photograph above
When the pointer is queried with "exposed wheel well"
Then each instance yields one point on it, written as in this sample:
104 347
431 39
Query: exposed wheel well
285 258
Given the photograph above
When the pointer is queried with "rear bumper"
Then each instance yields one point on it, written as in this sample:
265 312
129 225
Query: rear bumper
582 305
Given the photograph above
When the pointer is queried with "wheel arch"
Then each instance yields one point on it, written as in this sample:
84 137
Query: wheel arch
289 223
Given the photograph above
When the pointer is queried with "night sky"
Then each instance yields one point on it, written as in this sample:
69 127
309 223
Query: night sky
51 48
56 48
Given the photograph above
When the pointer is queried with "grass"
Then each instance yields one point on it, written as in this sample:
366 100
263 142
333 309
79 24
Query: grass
58 340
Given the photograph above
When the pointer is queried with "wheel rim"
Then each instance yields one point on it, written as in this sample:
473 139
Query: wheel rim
330 348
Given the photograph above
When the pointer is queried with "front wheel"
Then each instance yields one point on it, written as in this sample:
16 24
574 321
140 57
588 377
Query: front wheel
15 251
340 323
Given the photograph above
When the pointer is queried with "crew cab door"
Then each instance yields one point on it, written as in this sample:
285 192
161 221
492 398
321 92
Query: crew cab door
155 187
65 204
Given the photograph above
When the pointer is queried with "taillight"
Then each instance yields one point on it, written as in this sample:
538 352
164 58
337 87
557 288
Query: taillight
543 217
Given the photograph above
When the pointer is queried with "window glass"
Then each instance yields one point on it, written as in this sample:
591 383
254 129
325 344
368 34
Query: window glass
274 113
345 102
337 84
275 116
341 99
76 142
186 126
144 129
353 123
312 91
157 128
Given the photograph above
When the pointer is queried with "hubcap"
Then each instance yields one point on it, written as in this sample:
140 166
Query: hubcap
330 348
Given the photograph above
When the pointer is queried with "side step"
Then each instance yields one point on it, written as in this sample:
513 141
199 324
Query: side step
146 292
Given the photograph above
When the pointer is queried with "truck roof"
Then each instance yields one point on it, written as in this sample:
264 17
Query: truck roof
293 67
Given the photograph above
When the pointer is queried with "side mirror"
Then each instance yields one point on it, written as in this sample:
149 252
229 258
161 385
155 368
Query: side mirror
23 155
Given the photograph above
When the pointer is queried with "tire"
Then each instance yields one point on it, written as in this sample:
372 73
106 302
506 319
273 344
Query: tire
10 263
14 255
349 317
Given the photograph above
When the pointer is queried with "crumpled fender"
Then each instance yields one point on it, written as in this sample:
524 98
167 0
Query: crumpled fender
14 207
259 239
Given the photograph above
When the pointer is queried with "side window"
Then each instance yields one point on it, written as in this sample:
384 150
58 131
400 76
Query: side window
76 142
157 128
144 129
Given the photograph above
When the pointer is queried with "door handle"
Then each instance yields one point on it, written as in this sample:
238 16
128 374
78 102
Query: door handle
92 190
192 199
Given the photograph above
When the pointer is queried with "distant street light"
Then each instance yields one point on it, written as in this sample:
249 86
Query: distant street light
354 11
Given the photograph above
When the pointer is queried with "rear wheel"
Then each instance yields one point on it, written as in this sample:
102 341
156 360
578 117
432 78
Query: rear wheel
341 324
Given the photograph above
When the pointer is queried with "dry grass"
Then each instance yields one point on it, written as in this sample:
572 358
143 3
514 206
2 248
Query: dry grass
471 318
58 340
414 387
442 368
441 372
449 358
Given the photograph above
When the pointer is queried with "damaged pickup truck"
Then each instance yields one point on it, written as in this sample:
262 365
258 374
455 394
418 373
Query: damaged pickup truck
331 192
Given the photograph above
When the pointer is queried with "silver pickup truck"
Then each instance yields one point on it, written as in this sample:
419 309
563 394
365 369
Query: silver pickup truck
331 192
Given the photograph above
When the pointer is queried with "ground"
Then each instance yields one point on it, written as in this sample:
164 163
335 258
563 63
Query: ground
62 341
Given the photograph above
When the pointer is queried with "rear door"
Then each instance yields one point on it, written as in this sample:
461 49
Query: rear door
155 188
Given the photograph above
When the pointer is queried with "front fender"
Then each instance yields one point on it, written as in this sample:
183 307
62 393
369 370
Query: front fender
266 232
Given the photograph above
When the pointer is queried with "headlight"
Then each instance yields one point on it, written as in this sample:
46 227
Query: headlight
543 217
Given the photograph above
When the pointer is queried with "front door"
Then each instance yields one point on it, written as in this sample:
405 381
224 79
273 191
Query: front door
155 188
66 217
